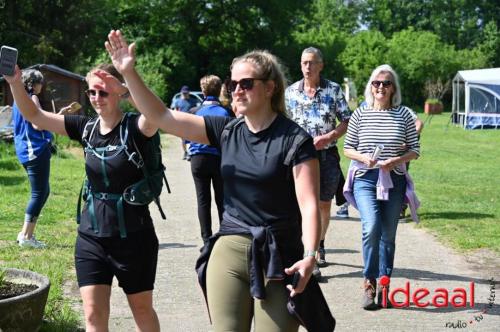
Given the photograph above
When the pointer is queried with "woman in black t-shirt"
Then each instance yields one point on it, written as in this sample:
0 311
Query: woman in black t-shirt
263 197
101 251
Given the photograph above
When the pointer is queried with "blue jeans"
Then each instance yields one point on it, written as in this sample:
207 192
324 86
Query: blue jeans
379 220
38 174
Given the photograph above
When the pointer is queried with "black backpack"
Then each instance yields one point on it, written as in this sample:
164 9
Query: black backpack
150 162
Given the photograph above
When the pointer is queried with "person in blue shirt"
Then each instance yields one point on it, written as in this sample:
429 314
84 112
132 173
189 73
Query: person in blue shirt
184 104
33 152
205 159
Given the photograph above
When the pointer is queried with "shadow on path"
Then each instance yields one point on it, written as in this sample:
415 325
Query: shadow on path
175 245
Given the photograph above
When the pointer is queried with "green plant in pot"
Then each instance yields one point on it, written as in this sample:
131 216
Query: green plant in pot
435 90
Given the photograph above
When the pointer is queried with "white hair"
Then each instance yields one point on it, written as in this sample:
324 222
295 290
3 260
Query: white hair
396 96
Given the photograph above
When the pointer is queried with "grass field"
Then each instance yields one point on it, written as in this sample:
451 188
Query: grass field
456 179
458 183
56 228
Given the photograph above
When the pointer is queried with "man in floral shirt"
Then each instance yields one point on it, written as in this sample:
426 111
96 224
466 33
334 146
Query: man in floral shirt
316 104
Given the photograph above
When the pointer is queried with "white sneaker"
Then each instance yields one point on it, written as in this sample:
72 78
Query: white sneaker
33 242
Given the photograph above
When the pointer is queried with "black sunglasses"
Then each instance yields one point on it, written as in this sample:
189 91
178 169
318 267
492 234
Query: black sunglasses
93 93
245 84
385 84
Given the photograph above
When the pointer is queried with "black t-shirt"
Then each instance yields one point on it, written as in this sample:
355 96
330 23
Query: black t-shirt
119 174
258 187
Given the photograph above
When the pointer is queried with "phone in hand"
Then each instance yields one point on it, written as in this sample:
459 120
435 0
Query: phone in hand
75 106
8 60
296 278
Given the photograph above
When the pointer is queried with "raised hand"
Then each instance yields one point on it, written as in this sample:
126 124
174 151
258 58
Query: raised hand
16 77
122 55
112 83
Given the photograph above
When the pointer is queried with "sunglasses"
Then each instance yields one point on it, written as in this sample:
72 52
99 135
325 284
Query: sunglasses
385 84
244 83
93 93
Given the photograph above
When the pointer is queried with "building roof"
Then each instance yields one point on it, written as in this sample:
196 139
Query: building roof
55 69
489 75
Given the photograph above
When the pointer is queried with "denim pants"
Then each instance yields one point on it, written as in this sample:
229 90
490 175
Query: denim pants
38 171
379 220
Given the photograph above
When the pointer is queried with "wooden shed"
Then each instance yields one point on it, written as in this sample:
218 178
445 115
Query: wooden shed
61 87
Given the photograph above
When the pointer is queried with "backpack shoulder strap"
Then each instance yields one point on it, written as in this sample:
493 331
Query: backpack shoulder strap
88 131
135 157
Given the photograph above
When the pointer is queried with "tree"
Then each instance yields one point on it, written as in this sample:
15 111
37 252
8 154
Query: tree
420 56
363 53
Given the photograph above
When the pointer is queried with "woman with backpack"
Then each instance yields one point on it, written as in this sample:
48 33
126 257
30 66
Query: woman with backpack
115 238
266 190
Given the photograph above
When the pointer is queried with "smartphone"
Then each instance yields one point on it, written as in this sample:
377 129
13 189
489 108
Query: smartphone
75 106
296 278
8 60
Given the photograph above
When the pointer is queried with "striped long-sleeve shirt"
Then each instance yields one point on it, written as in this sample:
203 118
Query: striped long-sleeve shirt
394 128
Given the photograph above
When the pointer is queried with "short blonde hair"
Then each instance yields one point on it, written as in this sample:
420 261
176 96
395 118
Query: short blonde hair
268 67
396 96
211 85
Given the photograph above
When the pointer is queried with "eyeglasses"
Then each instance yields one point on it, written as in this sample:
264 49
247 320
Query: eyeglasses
385 84
244 83
94 93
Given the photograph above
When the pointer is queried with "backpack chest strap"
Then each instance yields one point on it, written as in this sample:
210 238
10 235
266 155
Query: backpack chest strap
107 197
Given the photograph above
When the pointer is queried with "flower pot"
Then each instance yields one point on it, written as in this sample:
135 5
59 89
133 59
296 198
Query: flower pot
24 312
433 108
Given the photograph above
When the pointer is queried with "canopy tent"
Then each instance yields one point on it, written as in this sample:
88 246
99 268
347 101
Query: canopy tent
476 98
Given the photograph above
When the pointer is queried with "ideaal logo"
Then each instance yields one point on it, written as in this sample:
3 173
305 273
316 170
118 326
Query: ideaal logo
476 318
441 297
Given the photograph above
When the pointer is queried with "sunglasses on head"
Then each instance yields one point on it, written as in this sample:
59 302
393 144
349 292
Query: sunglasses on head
385 84
244 83
93 93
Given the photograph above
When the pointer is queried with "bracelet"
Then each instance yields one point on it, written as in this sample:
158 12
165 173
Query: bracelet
310 253
126 94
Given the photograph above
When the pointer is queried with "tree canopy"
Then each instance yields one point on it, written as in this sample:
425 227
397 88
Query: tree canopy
181 40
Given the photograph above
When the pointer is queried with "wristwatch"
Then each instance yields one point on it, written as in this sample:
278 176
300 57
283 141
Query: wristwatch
310 253
126 94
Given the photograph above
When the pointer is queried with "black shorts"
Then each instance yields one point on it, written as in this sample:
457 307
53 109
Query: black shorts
329 174
132 260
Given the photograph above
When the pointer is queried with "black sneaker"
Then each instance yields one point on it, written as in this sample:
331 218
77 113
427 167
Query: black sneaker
343 211
316 273
321 261
380 297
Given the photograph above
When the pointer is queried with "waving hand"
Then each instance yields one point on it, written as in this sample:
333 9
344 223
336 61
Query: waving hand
122 55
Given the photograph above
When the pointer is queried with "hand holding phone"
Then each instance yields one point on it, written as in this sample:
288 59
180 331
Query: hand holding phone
296 278
71 108
8 60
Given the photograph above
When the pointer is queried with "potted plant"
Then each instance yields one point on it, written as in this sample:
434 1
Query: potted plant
23 301
435 90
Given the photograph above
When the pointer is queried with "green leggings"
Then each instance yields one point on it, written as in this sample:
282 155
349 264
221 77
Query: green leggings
228 290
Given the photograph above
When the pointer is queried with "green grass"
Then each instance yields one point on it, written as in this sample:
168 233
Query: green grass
457 180
56 227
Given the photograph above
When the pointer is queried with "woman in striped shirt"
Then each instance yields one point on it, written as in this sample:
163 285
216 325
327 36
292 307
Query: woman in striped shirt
378 183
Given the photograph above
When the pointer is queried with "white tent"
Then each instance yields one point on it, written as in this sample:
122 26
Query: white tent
476 98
